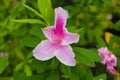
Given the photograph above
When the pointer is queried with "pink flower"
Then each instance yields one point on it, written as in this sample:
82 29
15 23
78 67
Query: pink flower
109 59
58 41
111 63
112 71
103 52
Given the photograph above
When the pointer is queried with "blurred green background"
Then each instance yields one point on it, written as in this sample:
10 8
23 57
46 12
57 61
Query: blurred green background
89 18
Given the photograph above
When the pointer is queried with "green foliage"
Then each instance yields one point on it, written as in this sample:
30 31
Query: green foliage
86 57
33 10
20 32
89 75
40 66
29 42
19 76
36 31
102 76
28 21
3 63
54 75
116 26
45 8
100 42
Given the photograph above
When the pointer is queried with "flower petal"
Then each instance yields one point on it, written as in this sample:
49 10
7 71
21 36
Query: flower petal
112 71
48 32
103 52
44 51
61 16
53 35
105 60
70 38
66 55
112 60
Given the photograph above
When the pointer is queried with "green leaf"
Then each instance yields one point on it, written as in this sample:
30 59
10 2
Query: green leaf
74 74
32 21
102 76
27 70
36 31
45 7
100 42
118 63
29 42
41 76
18 9
35 77
74 29
116 51
19 66
94 55
86 57
110 2
19 54
54 63
3 63
89 75
39 66
19 76
6 78
114 42
4 33
54 75
116 39
116 26
65 70
82 70
33 10
83 58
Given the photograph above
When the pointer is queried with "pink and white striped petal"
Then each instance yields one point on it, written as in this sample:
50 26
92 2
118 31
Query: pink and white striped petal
66 56
44 51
